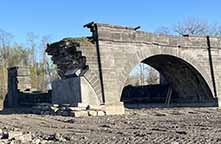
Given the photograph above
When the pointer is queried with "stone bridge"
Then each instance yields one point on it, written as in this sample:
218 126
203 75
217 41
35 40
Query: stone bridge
190 64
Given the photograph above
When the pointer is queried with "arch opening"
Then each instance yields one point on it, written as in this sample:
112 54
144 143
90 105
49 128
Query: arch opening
180 84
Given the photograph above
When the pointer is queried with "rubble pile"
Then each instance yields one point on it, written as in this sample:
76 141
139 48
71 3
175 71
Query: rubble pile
68 110
66 54
16 136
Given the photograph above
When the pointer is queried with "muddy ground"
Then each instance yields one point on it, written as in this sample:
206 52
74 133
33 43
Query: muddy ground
172 126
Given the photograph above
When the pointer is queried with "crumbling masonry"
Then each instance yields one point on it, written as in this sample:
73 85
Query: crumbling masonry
94 69
191 65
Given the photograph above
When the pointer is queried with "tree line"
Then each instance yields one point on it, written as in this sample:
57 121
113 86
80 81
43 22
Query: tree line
32 55
192 27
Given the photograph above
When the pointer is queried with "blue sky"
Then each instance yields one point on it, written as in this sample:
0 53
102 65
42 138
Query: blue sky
65 18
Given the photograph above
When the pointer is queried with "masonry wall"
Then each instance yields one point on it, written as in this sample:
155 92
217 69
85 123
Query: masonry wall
121 48
18 83
92 75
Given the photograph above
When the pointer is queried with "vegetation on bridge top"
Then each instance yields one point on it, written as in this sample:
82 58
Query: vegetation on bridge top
81 40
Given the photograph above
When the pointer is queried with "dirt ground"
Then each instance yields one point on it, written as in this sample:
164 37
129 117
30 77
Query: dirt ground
172 126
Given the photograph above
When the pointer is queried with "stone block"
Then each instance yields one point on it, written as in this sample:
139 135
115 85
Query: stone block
15 134
92 113
114 109
75 91
66 91
101 113
96 107
77 108
82 105
79 113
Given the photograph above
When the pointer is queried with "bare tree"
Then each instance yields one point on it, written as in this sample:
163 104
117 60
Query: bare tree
141 74
191 26
31 40
19 55
47 73
153 76
5 41
215 30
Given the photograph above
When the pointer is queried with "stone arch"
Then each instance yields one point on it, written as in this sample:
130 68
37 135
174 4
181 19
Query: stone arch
152 51
93 81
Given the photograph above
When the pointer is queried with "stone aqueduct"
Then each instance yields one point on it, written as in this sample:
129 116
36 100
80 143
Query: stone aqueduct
192 65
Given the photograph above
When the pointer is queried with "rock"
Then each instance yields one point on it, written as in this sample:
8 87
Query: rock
4 134
60 138
51 137
79 113
70 121
54 109
160 114
77 108
174 142
20 137
55 105
26 138
95 107
92 113
117 109
36 141
15 134
82 105
100 113
15 142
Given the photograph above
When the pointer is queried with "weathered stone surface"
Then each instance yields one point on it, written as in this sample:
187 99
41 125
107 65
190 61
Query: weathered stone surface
19 136
114 109
77 108
74 91
66 91
92 113
67 56
20 92
79 113
96 107
4 134
112 51
101 113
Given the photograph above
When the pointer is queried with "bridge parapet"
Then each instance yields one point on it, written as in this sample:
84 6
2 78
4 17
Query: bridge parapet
127 34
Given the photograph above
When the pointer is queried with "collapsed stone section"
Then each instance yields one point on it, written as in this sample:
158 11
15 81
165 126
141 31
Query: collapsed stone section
66 54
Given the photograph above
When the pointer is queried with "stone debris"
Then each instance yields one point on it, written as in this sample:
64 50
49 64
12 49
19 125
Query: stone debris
19 137
68 110
4 134
68 58
101 113
80 113
92 113
77 111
